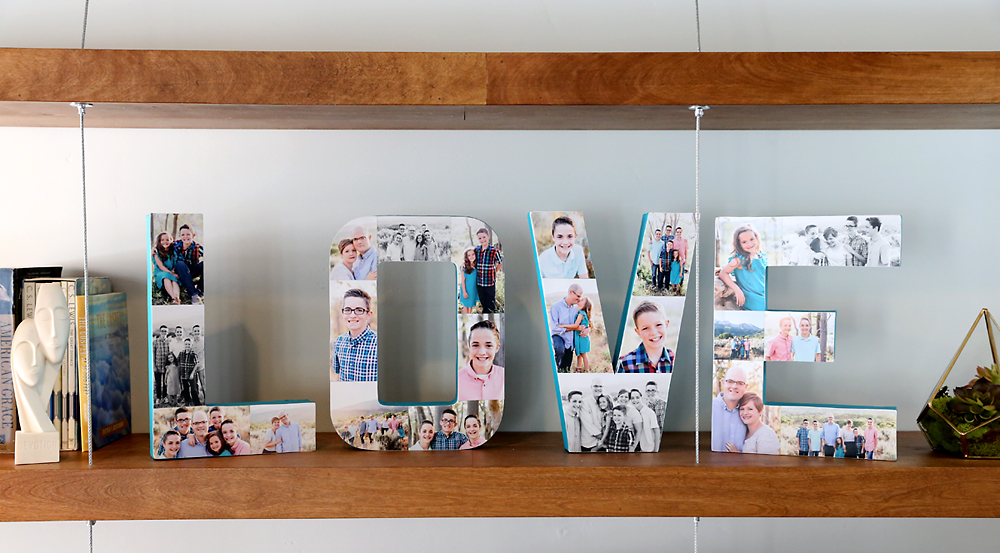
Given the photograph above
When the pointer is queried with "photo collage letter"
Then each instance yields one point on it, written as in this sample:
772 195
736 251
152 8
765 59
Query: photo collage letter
182 425
747 335
613 400
358 416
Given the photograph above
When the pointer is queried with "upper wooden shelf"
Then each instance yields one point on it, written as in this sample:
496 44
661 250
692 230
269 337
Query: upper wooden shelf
382 90
514 475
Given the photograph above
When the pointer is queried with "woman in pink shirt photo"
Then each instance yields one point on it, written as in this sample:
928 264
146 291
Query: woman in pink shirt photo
480 379
780 348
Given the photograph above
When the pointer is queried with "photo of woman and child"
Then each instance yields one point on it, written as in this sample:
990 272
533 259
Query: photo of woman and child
578 335
799 336
628 417
176 260
666 249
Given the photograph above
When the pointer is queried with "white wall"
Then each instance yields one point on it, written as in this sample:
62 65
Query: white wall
267 320
273 199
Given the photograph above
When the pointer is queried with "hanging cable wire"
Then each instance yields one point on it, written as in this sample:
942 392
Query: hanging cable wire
697 23
81 108
699 111
86 10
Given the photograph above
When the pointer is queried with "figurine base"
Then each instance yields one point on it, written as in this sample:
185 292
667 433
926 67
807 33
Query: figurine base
36 447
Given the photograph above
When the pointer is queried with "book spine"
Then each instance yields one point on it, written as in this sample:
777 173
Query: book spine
7 422
83 356
71 423
63 386
28 300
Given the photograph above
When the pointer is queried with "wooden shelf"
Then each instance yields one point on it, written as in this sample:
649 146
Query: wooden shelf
514 475
385 90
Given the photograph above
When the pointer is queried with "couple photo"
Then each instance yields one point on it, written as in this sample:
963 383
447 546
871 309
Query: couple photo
667 246
414 238
353 255
850 241
614 413
477 253
178 346
177 259
561 248
578 336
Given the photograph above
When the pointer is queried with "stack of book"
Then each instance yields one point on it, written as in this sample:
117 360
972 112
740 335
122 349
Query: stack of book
109 398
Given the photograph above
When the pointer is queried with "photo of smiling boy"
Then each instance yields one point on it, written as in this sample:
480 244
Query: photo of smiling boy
567 257
805 346
652 355
355 352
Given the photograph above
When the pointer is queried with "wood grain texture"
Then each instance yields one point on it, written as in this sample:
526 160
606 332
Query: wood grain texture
515 475
264 78
748 78
205 116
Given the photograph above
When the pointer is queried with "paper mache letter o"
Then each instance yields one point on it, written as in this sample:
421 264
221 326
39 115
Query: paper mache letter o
359 416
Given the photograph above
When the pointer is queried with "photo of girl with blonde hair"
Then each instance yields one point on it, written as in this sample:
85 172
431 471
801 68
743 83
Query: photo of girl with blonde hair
748 265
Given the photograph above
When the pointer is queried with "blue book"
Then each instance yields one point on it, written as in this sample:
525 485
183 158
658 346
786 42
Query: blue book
8 422
110 396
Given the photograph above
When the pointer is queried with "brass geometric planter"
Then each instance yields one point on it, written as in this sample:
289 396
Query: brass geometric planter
946 434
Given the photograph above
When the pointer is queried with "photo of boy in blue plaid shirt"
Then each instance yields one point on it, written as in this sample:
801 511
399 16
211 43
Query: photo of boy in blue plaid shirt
355 352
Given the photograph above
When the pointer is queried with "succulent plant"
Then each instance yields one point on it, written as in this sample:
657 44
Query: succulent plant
979 401
992 374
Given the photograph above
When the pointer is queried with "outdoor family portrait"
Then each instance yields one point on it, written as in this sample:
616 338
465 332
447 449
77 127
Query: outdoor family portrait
578 336
353 254
849 241
481 374
202 431
613 413
739 335
178 351
561 247
835 432
799 336
413 238
176 262
476 251
376 432
649 340
666 254
353 331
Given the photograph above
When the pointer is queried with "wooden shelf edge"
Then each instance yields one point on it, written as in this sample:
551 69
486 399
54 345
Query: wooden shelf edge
517 475
720 117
